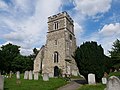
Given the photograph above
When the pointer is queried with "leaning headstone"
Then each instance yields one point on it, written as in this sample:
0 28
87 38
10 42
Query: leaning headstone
26 74
36 75
18 75
104 80
1 83
45 77
30 75
113 83
91 79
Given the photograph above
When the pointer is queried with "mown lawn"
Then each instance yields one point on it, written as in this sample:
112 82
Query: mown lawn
52 84
92 87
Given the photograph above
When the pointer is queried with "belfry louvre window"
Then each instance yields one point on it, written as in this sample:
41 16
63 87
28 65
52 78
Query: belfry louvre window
56 25
55 57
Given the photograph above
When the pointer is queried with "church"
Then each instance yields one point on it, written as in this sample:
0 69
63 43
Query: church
55 56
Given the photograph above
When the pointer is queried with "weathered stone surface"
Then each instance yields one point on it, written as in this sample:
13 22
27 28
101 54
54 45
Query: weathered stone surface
18 74
91 79
30 75
104 80
1 83
26 74
36 75
45 77
113 83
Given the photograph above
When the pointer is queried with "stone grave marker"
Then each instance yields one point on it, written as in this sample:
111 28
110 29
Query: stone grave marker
26 74
91 79
45 77
10 74
1 83
36 74
51 75
30 75
18 74
113 83
104 80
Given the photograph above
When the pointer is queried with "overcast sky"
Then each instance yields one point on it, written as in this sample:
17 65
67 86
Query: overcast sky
24 22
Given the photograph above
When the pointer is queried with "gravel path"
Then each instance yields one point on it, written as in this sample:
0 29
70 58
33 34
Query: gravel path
73 85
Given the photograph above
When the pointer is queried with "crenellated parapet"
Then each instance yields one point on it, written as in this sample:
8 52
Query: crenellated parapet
60 15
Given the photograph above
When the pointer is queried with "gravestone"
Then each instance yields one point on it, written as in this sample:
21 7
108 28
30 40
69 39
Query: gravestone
113 83
30 75
104 80
36 74
10 74
75 72
91 79
26 74
18 75
51 75
45 77
1 83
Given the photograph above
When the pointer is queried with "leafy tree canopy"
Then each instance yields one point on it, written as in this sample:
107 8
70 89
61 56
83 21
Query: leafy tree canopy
12 60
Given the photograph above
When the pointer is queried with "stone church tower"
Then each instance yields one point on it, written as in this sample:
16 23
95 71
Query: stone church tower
56 55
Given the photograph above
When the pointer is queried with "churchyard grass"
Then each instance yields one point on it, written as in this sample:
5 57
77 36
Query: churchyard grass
98 86
52 84
92 87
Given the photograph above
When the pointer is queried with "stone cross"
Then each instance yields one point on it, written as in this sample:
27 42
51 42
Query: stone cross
36 75
18 74
1 83
30 75
91 79
45 77
26 74
113 83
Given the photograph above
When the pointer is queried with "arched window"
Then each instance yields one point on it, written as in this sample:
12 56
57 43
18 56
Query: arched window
56 57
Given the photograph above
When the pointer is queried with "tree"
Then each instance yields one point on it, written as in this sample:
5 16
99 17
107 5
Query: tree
8 53
22 63
115 54
91 59
12 60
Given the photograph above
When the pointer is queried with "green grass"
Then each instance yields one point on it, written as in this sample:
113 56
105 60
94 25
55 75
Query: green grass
92 87
52 84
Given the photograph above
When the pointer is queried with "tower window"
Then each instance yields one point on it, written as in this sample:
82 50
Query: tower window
56 25
55 42
55 57
70 37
